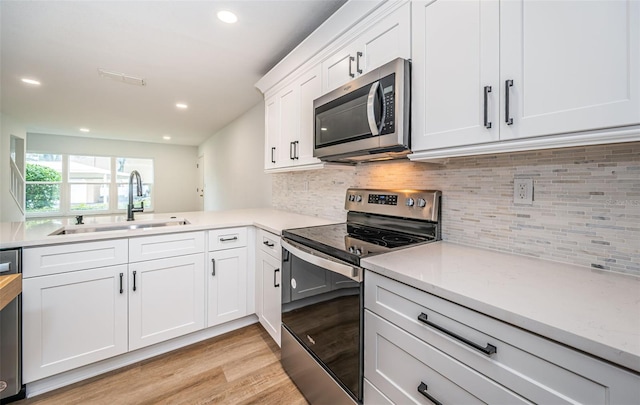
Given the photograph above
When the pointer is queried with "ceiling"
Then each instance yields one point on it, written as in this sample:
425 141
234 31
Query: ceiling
181 50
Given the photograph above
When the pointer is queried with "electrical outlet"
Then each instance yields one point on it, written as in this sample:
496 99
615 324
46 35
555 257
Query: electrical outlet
523 191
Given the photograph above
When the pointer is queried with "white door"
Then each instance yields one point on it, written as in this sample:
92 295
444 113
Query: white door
272 129
455 57
289 123
339 68
385 41
200 187
166 299
73 319
226 285
271 318
575 65
309 88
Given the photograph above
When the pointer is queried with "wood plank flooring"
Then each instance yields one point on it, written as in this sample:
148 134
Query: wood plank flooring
240 367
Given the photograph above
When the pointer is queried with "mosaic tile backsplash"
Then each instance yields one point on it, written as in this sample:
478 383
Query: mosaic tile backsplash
586 207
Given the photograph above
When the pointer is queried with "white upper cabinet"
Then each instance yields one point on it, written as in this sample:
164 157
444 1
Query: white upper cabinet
487 71
455 48
574 64
380 42
272 132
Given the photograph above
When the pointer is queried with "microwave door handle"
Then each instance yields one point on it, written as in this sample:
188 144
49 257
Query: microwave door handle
371 115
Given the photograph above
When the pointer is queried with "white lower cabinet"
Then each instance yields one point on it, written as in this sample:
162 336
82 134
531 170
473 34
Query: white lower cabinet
415 341
166 299
268 277
227 276
73 319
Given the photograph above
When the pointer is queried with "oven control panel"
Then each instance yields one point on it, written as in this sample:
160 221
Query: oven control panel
417 204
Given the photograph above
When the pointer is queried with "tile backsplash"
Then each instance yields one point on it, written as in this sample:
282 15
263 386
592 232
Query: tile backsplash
586 207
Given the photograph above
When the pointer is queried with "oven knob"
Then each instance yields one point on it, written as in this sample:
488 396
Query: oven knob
352 198
358 252
358 198
422 203
351 249
409 202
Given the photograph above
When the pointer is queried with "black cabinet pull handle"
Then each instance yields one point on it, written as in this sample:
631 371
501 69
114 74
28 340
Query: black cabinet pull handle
422 388
274 278
273 150
507 86
488 350
487 123
351 59
296 150
213 267
121 290
134 281
269 244
228 239
358 56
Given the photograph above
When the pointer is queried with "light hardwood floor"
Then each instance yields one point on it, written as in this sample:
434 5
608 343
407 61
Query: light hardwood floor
240 367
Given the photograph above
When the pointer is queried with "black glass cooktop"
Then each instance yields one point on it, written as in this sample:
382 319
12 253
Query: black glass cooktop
350 242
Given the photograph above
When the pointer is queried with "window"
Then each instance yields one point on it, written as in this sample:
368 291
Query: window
74 184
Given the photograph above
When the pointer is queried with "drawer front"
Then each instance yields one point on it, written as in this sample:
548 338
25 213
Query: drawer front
229 238
269 243
400 366
537 368
163 246
47 260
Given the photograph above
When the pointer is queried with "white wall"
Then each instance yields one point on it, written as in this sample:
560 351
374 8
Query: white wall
174 165
234 165
9 209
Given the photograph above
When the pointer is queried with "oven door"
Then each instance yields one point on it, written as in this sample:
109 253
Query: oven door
322 304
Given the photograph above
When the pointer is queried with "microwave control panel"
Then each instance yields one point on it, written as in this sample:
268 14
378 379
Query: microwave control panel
387 84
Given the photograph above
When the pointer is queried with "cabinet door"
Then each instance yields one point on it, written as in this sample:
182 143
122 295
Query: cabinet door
271 318
338 68
385 41
226 286
289 124
455 56
166 299
575 65
309 88
73 319
272 132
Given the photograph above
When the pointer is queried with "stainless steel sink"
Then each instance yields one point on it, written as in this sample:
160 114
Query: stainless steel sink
123 226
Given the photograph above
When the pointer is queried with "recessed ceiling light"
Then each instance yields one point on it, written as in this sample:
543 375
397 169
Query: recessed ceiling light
166 138
30 81
182 105
227 16
85 130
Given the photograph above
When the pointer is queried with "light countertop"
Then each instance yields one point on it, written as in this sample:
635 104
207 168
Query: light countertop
35 232
588 309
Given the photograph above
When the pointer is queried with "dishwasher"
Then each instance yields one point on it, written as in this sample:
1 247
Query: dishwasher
11 387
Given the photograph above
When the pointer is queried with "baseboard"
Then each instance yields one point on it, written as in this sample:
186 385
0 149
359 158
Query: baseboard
82 373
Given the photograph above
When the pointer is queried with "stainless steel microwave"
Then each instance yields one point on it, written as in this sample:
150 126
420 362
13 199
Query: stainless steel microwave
367 118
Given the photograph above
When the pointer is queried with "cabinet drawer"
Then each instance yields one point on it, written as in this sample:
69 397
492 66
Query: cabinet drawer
47 260
398 363
228 238
269 243
163 246
534 367
373 396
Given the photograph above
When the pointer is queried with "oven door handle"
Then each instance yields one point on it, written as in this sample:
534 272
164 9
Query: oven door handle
352 272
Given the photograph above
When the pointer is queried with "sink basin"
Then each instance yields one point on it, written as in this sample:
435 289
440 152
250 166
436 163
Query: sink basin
122 226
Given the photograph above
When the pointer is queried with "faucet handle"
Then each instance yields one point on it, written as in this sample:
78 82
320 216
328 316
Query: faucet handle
79 220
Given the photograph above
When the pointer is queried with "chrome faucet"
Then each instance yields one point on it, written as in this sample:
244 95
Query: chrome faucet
130 208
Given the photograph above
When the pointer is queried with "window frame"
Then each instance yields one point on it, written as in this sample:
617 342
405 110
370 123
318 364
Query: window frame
65 187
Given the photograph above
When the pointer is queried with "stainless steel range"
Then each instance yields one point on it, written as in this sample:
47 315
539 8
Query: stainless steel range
322 300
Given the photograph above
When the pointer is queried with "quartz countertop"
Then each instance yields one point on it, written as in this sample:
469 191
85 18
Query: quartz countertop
592 310
35 232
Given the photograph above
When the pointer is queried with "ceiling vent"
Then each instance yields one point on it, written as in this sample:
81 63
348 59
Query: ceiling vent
121 77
